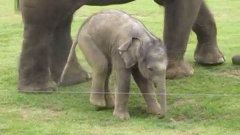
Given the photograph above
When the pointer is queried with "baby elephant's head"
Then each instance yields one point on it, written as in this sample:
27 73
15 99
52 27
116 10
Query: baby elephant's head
150 57
152 63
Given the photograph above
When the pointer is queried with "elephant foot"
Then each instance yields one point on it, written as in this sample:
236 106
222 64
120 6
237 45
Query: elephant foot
47 87
75 77
154 109
123 115
179 69
98 100
236 59
109 100
208 56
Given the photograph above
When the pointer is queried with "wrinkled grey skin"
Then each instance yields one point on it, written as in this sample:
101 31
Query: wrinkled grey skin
47 39
113 39
180 17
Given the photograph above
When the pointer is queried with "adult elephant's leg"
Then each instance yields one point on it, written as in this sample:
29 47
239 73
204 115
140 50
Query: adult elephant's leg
207 51
34 73
180 16
59 52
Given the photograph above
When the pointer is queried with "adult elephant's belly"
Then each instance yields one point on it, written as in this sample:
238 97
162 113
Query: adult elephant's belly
106 2
47 12
160 2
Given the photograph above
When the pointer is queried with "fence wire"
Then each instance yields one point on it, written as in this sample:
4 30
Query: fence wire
132 93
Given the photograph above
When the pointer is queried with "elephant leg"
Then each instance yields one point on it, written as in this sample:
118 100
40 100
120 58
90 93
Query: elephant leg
108 96
122 94
99 64
34 72
180 16
99 75
148 92
59 52
207 51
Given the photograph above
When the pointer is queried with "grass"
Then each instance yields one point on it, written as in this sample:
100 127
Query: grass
67 112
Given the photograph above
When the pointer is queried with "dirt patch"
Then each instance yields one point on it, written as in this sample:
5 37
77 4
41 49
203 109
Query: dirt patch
38 114
230 73
179 118
182 102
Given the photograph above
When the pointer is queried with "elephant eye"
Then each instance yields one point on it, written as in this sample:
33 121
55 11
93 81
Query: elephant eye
150 69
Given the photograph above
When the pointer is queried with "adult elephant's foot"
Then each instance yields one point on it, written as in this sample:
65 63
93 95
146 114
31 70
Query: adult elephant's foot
37 87
208 55
178 69
75 76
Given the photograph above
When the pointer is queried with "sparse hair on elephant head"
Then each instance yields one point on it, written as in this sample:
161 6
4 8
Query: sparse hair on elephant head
150 56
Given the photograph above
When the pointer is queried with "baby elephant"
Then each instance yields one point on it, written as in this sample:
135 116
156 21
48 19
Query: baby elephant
114 40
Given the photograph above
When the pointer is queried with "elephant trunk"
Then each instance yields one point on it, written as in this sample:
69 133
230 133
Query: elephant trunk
161 91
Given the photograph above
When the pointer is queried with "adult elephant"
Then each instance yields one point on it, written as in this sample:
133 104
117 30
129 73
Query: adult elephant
47 40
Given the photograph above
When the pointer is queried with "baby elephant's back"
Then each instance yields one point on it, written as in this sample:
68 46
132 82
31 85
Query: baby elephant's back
110 19
107 26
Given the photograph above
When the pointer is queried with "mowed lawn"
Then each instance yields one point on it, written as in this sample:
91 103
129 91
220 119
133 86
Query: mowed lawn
207 103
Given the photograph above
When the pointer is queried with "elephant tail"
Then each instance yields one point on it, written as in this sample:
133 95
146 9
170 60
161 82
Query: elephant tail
16 5
68 60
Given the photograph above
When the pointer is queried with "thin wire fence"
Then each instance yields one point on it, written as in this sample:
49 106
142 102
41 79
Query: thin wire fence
135 93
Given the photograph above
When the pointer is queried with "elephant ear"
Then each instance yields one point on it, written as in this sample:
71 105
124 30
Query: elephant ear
130 52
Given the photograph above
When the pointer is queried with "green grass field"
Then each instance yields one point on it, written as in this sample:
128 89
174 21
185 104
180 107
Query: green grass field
67 112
